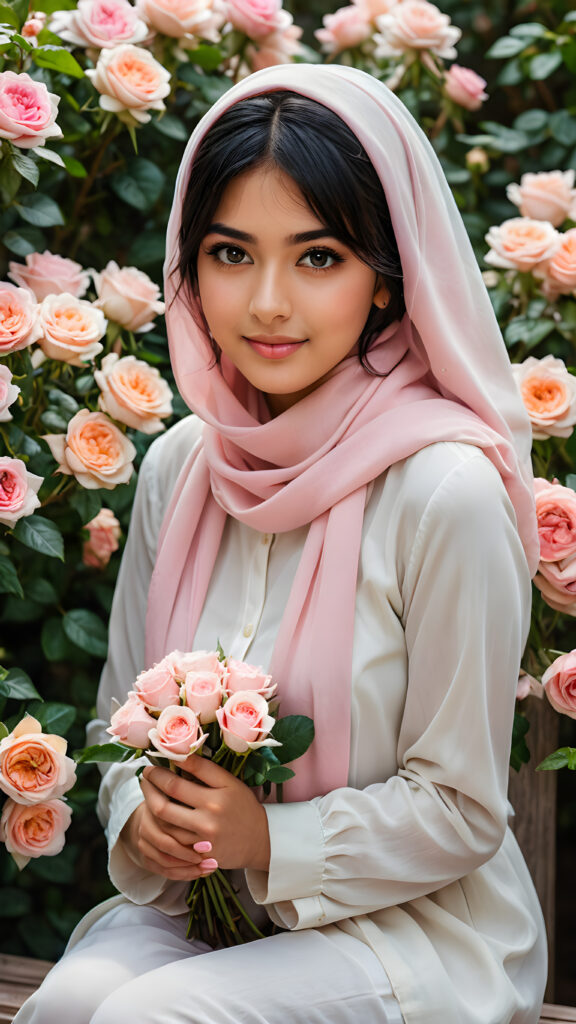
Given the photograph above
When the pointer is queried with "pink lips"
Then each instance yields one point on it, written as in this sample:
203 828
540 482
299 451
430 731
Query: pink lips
275 347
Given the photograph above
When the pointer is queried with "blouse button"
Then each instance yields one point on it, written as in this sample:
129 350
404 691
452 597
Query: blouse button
248 629
265 538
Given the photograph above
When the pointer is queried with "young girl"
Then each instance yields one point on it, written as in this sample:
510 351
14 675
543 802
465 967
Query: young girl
350 507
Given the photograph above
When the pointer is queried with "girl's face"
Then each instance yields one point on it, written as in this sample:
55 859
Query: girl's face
284 300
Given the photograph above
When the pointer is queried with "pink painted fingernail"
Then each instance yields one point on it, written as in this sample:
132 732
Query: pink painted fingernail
203 847
208 865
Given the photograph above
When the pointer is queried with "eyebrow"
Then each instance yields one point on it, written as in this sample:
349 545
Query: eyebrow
243 236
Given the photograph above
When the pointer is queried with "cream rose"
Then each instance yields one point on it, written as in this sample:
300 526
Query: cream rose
130 82
416 25
557 583
37 831
18 489
128 296
182 19
521 243
347 27
104 533
8 393
548 391
245 723
257 18
157 687
131 724
177 734
93 450
133 393
33 764
556 515
71 329
202 692
546 195
559 682
19 326
27 111
99 23
465 87
45 273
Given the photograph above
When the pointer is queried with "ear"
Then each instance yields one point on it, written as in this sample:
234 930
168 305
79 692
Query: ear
381 296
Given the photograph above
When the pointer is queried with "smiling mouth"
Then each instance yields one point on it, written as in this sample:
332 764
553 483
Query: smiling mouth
275 347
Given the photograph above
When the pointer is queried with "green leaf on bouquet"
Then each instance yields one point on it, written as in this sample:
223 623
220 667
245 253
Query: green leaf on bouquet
40 535
17 685
565 757
87 631
53 716
9 582
57 59
295 733
87 504
40 210
279 774
112 753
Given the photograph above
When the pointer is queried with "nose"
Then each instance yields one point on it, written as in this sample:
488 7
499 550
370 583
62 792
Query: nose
270 297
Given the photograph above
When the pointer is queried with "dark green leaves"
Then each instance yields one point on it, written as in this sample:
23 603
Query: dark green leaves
87 631
41 535
17 685
139 184
565 757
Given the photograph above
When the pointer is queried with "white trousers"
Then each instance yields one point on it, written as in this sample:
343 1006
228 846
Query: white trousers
135 966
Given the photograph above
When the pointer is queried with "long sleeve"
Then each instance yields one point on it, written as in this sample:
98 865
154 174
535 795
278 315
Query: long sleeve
464 598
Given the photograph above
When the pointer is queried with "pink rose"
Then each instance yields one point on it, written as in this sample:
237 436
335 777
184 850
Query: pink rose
521 243
528 687
547 195
133 393
557 583
18 489
99 23
465 87
347 27
128 297
559 682
33 765
202 692
180 663
257 18
556 514
242 676
27 111
45 273
548 391
33 26
131 723
157 687
182 19
71 329
8 393
372 9
245 722
93 450
130 82
416 25
559 272
36 831
104 532
19 325
277 48
177 734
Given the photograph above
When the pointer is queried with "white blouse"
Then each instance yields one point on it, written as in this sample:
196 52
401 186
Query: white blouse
414 856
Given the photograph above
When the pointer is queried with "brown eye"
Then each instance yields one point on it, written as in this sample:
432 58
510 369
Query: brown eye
320 259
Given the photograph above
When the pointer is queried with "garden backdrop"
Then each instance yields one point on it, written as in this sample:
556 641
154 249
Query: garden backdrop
97 101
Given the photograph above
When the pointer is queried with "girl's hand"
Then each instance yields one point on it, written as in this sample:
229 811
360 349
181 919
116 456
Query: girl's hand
177 813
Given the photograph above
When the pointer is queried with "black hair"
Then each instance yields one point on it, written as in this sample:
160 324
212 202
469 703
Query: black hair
311 144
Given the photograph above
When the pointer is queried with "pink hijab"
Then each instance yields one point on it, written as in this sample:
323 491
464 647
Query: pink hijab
450 380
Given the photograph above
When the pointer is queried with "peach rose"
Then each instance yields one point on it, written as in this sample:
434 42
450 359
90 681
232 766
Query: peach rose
18 489
33 26
33 764
8 393
371 9
182 19
99 23
19 325
245 723
128 297
157 687
559 682
465 87
559 273
133 393
347 27
180 663
71 329
45 273
556 581
242 676
547 195
177 734
556 515
27 111
521 243
202 692
104 532
130 82
93 450
416 25
257 18
549 394
131 724
36 831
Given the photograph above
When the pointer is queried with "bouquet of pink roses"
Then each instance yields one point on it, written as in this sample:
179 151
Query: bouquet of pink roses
205 703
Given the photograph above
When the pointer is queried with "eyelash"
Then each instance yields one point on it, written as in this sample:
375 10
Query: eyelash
220 247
